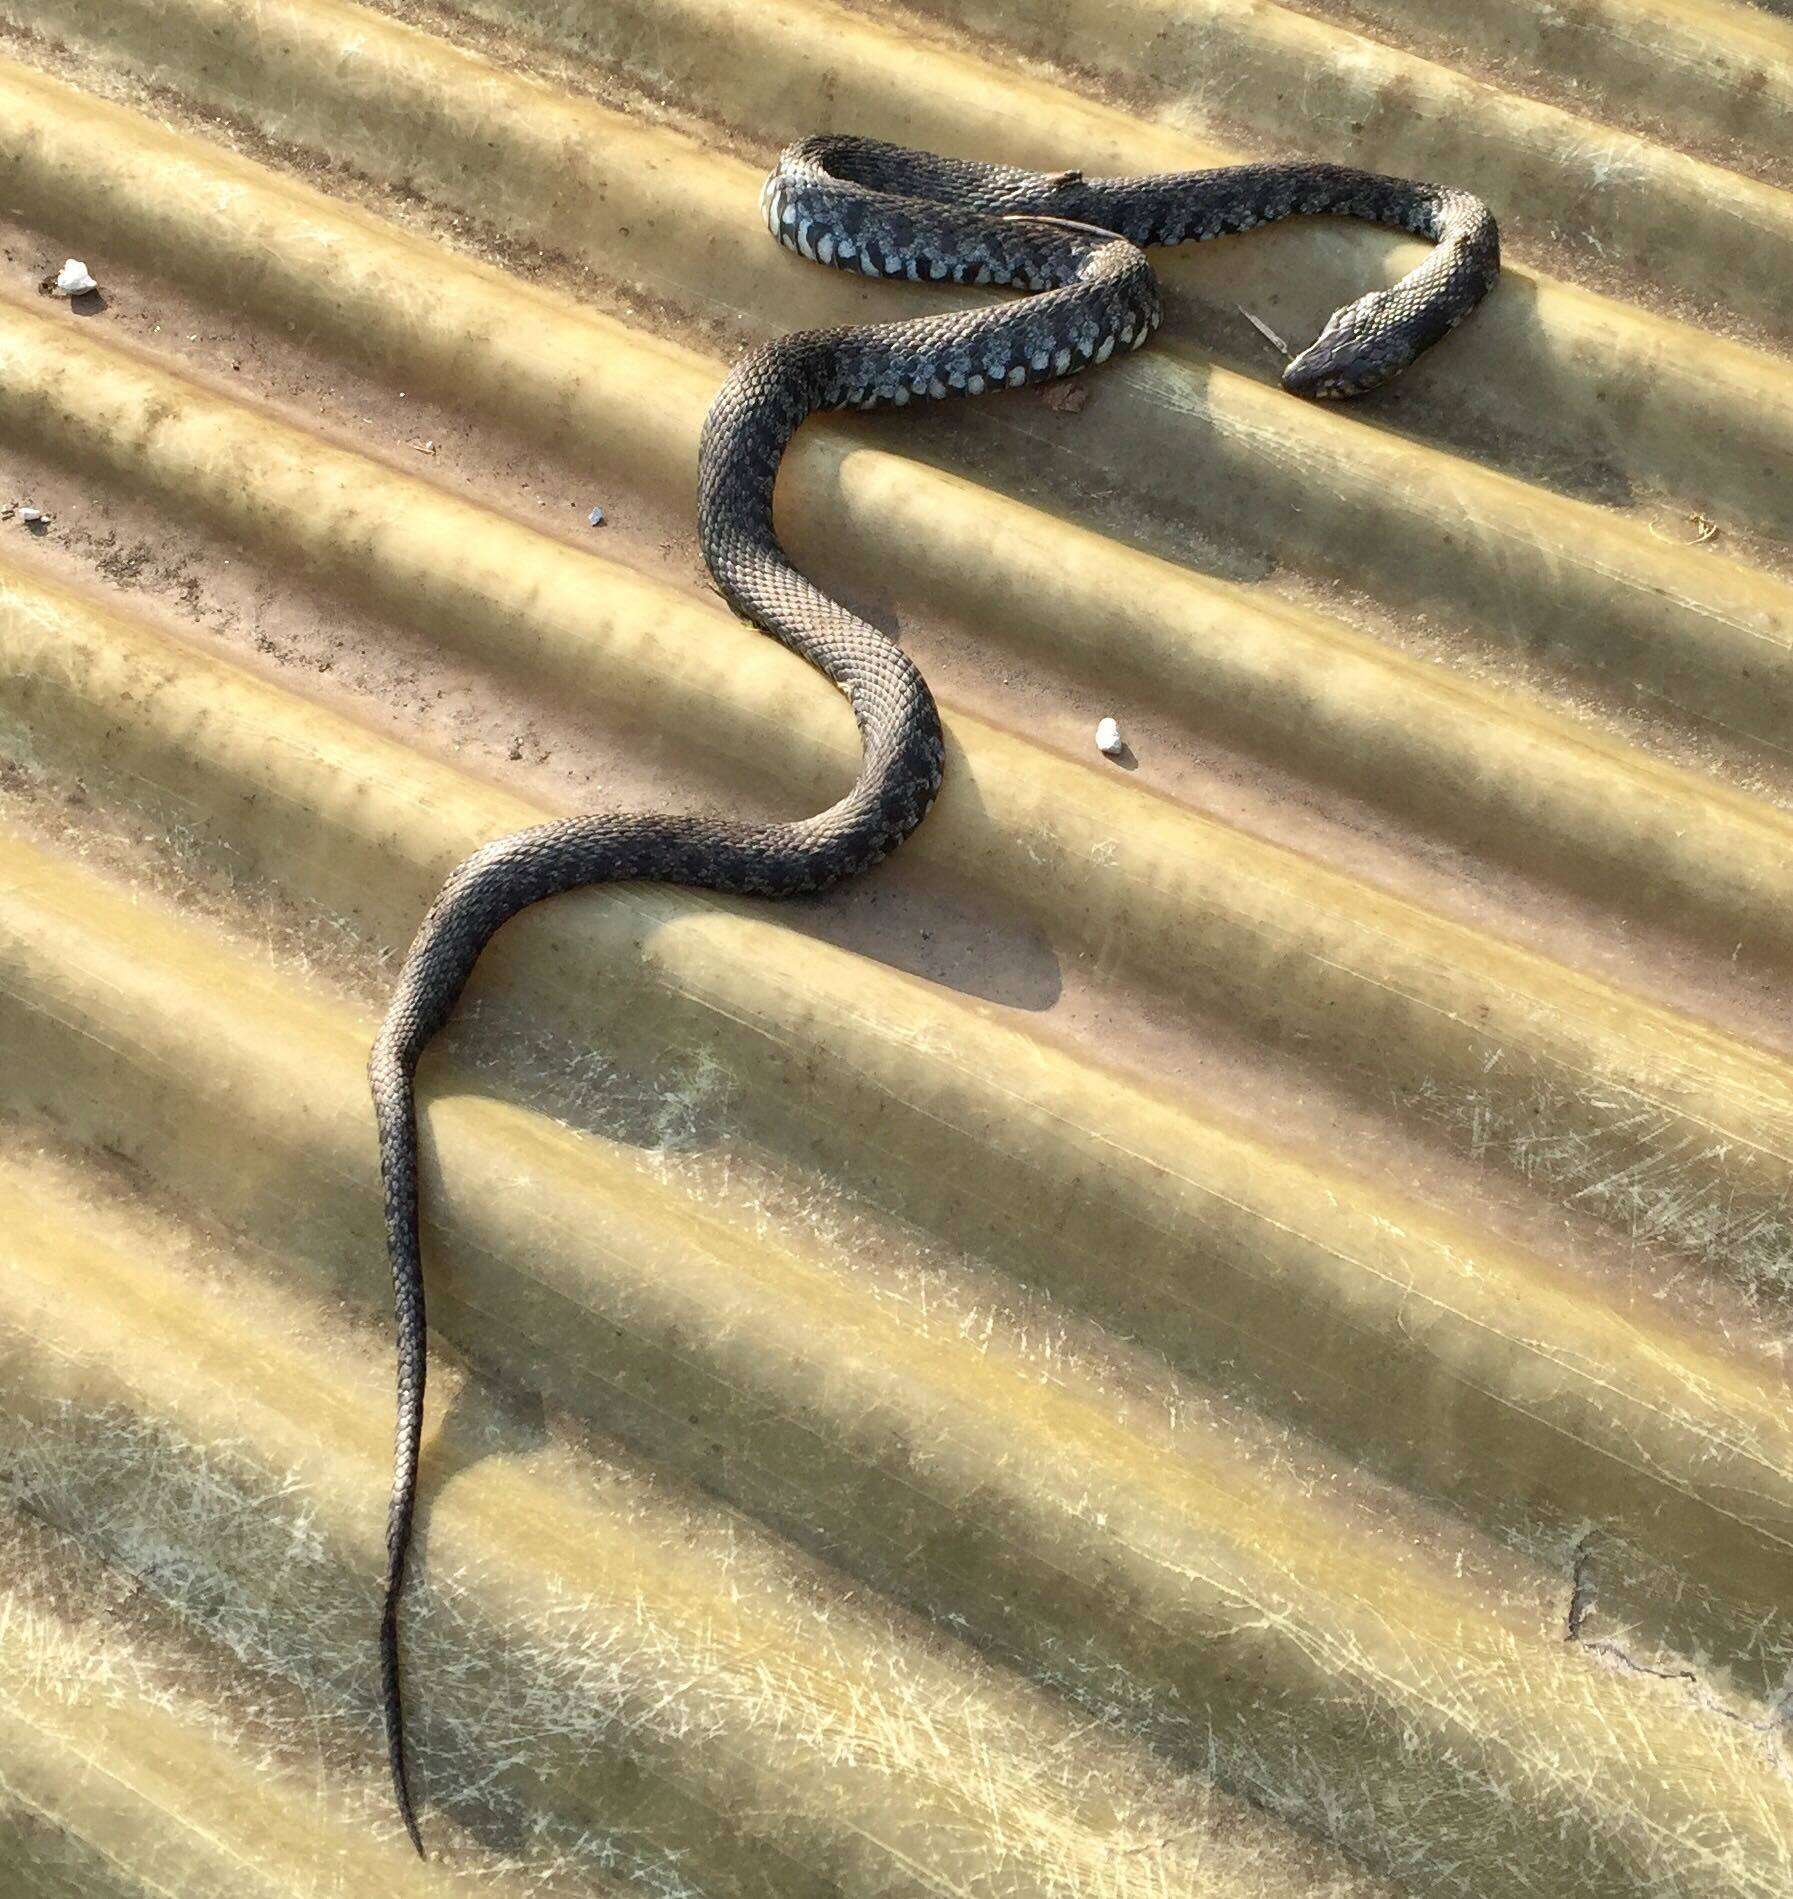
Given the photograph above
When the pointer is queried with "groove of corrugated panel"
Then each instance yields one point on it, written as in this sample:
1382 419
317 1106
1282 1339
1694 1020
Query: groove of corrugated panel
1214 1327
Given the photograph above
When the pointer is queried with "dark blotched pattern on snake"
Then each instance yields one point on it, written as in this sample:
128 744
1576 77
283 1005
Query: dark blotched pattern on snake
859 205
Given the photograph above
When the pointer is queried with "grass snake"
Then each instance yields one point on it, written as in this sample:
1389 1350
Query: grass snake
860 205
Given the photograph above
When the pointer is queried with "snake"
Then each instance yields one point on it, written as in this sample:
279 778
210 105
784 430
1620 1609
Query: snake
1077 246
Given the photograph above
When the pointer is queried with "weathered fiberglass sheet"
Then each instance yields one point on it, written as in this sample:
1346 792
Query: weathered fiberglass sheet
1219 1325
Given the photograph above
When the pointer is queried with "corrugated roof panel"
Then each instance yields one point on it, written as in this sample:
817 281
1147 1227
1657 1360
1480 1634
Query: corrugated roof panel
1217 1325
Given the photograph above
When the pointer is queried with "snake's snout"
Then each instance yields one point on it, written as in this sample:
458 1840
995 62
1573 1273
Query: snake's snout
1357 351
1304 377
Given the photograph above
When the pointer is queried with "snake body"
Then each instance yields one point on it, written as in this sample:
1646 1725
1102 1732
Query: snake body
860 205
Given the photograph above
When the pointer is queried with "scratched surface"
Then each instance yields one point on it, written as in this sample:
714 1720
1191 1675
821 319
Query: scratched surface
1220 1325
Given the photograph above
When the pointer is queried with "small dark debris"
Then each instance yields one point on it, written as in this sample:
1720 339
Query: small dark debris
1065 397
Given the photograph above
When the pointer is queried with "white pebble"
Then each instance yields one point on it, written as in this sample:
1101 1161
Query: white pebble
74 280
596 517
1108 738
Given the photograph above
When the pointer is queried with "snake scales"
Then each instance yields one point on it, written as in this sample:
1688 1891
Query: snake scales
865 206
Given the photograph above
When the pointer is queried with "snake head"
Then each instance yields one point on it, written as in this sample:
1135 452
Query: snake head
1361 347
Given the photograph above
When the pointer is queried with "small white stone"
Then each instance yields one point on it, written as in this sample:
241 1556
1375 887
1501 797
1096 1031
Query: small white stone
1108 738
73 280
596 517
30 516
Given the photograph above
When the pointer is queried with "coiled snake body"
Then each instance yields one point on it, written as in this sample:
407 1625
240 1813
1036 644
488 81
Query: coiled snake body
884 211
